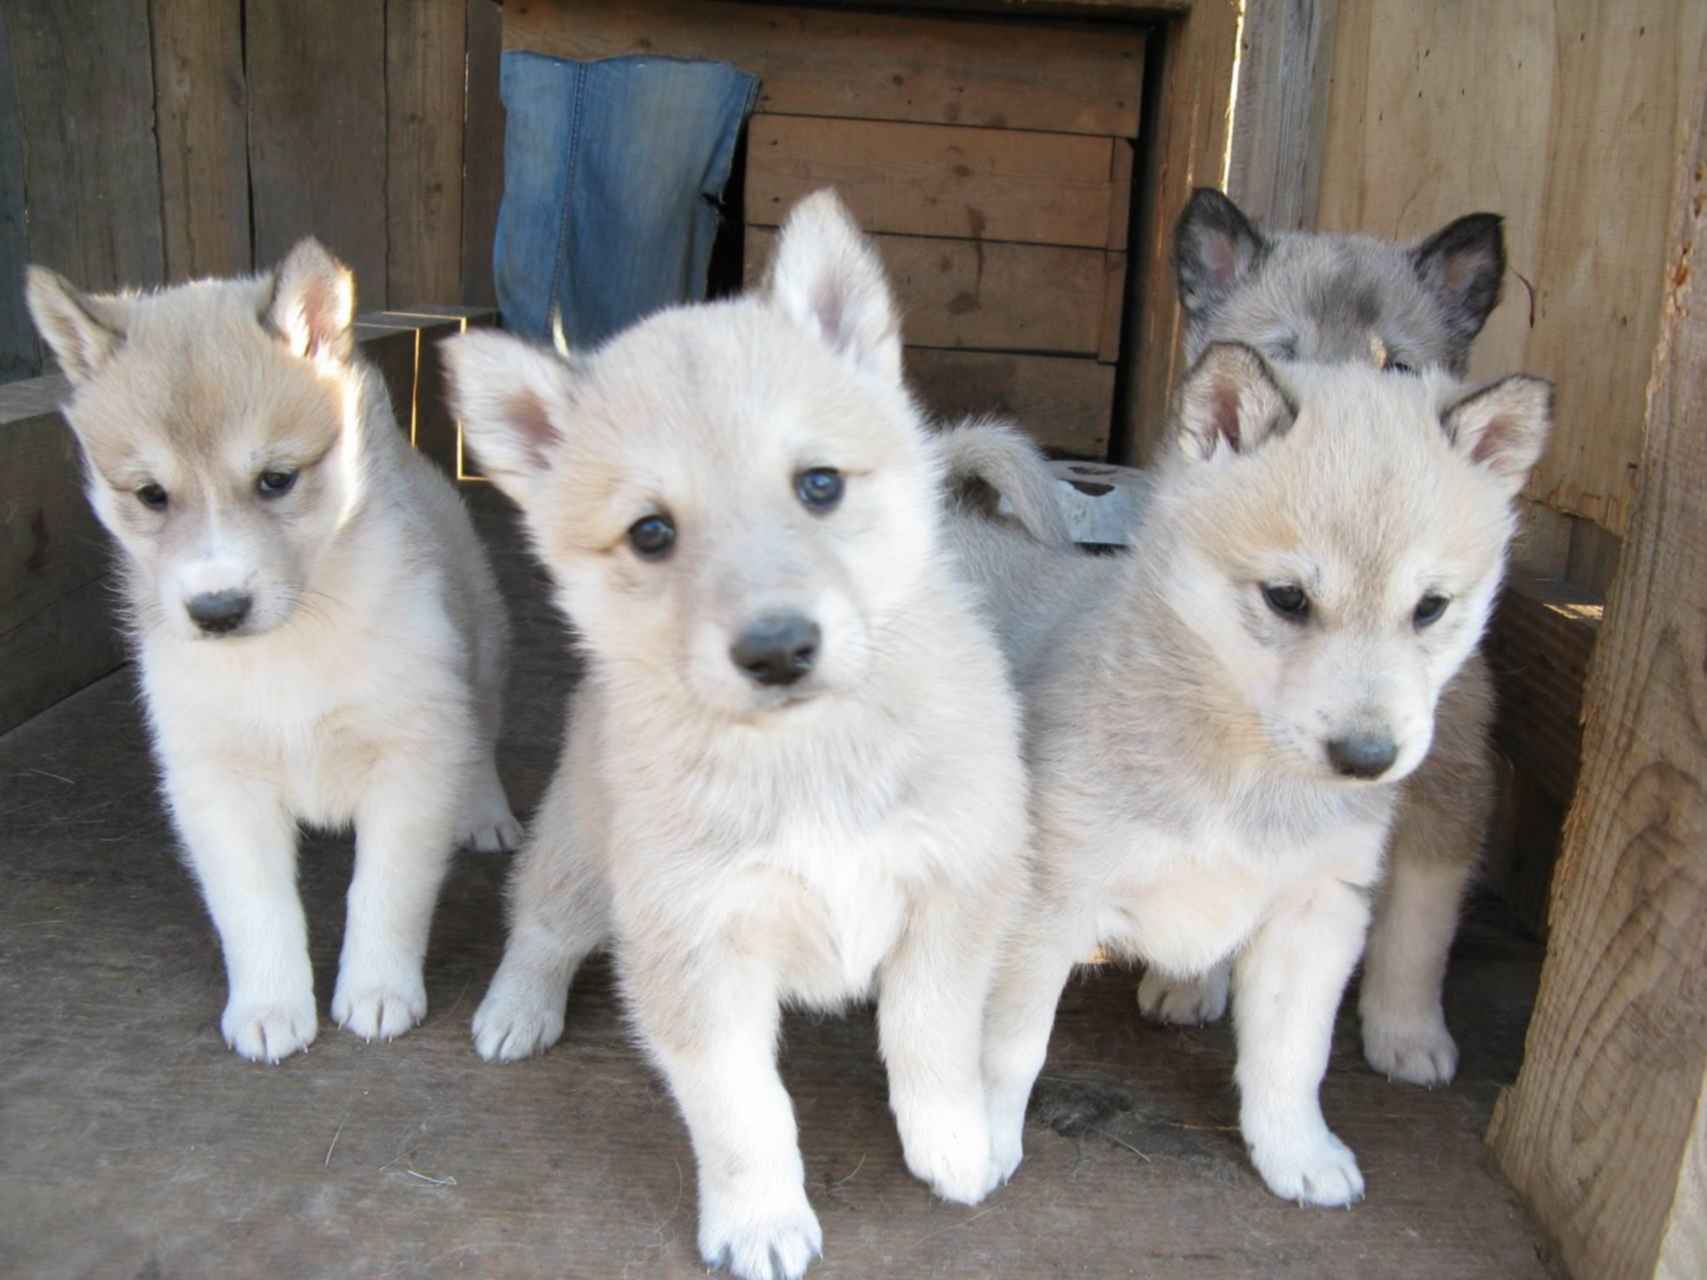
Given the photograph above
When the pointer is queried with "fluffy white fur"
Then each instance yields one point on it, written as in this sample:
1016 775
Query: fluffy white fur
363 683
1187 809
742 847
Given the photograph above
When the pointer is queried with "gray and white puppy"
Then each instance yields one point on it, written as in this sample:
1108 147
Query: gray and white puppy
1329 298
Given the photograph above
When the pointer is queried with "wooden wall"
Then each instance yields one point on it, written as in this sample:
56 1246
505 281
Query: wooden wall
145 141
1565 116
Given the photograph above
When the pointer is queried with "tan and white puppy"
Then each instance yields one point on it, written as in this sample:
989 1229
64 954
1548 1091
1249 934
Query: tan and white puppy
1217 744
317 630
792 774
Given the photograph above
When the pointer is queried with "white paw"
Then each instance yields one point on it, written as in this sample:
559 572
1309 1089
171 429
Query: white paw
490 826
760 1241
269 1030
517 1019
947 1144
379 1005
1007 1141
1420 1052
1311 1167
1183 1001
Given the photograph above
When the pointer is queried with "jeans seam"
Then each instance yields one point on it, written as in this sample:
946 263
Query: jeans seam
557 267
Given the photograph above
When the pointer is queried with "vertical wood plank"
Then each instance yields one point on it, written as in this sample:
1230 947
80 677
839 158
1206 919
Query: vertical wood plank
482 152
317 132
424 69
85 83
1280 116
1188 143
200 101
1603 1131
20 357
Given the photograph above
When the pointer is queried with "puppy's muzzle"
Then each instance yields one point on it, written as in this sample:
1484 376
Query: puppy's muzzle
776 648
217 612
1362 755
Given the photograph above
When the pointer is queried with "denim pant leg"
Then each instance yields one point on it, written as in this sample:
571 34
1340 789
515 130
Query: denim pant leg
613 171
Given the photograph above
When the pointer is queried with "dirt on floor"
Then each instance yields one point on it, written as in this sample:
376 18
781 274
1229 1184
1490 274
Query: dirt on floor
134 1144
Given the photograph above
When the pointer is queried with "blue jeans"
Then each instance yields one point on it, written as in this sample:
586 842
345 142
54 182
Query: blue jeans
613 174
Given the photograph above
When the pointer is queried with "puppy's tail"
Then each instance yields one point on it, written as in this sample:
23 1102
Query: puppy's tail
990 460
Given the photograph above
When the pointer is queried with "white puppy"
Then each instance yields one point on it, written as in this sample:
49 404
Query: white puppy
319 635
792 774
1217 741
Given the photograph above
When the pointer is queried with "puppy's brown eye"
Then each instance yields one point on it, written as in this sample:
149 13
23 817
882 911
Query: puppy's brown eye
1429 609
1287 599
152 496
275 484
652 537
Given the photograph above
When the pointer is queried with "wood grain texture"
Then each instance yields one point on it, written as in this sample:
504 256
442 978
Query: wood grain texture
1187 148
1593 100
20 355
425 65
317 149
1539 644
1602 1130
870 66
1063 403
482 152
992 297
1286 54
931 180
57 632
85 84
200 105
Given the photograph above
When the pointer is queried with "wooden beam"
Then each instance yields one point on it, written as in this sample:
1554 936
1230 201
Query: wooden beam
482 152
200 105
425 68
1603 1131
1280 112
1188 143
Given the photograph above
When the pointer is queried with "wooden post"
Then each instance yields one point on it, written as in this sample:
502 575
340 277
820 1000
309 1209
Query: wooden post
1605 1130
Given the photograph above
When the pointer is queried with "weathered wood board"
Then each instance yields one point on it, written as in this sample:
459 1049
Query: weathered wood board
924 68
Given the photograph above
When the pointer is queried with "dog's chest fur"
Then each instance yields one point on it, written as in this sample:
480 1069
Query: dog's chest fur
1185 898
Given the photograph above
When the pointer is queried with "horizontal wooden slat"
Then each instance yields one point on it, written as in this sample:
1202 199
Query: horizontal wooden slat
1063 403
935 180
871 66
991 297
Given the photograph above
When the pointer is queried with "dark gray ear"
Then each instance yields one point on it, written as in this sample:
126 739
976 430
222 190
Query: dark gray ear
1463 265
1215 247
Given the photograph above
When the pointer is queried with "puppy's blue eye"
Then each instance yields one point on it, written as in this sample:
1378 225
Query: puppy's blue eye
1429 609
819 488
275 484
152 496
652 537
1288 600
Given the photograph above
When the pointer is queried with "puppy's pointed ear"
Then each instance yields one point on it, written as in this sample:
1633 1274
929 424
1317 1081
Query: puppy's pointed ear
510 396
83 330
1215 247
1229 403
828 279
1503 427
1463 266
314 303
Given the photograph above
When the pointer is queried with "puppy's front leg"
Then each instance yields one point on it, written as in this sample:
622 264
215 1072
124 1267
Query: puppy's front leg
930 1015
242 847
405 829
1287 985
709 1019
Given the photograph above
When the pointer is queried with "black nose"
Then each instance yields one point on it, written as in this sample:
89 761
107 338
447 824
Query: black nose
1363 755
778 648
217 612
